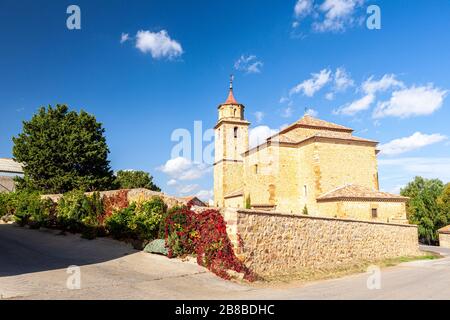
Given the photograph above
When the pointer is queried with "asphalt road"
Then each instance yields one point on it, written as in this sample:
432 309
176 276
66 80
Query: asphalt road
33 265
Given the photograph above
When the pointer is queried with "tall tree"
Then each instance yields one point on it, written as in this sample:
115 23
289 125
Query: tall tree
129 179
63 150
444 201
423 208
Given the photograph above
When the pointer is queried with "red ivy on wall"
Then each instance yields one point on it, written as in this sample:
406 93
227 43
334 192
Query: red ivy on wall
117 201
204 234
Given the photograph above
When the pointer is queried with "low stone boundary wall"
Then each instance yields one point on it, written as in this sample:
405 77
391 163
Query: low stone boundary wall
134 195
274 244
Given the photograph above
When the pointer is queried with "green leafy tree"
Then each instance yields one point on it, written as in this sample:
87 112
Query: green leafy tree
444 201
423 208
63 150
130 179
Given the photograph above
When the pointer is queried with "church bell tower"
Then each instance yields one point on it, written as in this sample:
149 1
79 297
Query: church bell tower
231 141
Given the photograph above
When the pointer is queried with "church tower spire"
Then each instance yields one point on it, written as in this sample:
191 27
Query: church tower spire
231 99
231 141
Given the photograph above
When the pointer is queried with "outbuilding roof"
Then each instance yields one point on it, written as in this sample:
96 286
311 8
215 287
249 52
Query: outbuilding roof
10 166
357 192
445 229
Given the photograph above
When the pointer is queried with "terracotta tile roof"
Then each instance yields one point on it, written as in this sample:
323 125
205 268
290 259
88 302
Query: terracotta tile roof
309 121
351 191
283 138
231 99
9 165
323 134
445 229
341 135
233 194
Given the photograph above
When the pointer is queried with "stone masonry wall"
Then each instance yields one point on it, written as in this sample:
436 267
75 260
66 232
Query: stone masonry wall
275 244
444 240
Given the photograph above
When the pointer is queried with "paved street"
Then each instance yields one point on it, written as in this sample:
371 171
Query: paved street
33 265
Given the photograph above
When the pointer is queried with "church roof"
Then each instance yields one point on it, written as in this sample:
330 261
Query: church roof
311 122
321 134
324 130
10 166
357 192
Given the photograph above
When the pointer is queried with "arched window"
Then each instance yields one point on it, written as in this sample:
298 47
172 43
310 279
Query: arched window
234 113
235 132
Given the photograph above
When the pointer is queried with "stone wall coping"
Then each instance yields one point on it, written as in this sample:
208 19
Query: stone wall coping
302 216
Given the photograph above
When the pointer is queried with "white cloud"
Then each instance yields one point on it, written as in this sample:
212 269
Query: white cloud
386 82
338 15
416 141
259 116
258 135
205 195
342 80
158 44
184 169
356 106
284 99
329 96
172 182
124 37
310 86
414 101
312 113
188 189
370 87
248 64
287 112
303 8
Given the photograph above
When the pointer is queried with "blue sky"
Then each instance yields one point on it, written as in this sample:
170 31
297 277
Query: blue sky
147 68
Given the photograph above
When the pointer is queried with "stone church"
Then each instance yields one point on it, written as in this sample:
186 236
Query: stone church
311 167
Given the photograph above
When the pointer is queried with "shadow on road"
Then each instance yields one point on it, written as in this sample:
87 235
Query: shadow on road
27 251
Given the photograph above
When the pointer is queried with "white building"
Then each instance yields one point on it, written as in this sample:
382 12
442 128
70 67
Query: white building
9 169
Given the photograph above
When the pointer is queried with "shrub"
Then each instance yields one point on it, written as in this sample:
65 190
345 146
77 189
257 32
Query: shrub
29 208
118 224
115 202
148 218
7 206
92 220
177 225
305 210
78 212
171 211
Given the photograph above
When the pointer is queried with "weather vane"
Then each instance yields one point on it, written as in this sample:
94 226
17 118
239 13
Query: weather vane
231 81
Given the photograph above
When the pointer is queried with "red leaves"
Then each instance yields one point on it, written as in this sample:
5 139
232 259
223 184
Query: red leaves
115 202
205 235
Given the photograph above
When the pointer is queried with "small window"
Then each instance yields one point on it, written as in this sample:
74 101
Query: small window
305 190
374 213
256 168
235 132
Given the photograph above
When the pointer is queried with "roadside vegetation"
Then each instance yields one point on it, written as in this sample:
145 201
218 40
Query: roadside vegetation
428 207
179 232
65 152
